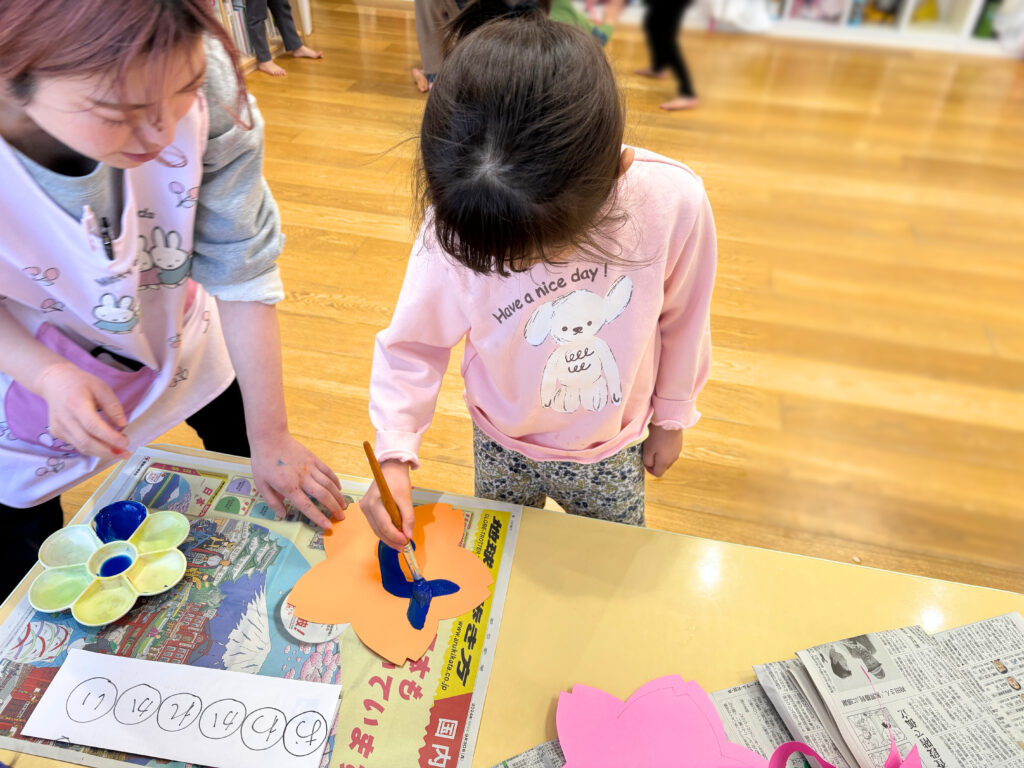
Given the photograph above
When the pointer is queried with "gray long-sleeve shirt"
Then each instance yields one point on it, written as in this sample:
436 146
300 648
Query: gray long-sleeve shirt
238 228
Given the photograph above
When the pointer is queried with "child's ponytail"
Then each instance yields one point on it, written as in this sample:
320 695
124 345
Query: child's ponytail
520 142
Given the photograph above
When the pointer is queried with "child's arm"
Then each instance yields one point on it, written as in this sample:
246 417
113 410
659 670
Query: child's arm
409 361
76 401
282 467
685 327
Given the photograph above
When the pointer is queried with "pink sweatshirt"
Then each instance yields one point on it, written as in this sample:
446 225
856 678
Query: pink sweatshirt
566 363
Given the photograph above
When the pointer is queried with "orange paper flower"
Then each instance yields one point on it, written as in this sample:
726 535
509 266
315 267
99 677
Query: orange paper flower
347 586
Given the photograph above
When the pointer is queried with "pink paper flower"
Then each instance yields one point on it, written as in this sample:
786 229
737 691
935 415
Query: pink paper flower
669 722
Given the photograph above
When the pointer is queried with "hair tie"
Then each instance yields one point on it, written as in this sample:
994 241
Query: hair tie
523 8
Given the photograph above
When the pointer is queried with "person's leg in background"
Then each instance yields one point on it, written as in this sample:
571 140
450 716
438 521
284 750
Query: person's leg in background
654 19
669 42
662 27
611 489
432 16
256 12
220 424
503 475
255 16
281 10
25 530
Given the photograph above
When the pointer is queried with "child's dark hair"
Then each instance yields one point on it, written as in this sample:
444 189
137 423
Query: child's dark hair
521 141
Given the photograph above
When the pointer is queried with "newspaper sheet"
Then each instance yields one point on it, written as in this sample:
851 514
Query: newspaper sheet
904 682
750 719
242 563
801 714
547 755
991 653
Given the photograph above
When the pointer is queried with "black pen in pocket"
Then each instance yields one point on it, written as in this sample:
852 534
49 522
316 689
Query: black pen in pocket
108 244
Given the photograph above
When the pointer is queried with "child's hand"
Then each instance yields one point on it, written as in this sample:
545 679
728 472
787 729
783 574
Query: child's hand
77 402
661 449
396 474
283 468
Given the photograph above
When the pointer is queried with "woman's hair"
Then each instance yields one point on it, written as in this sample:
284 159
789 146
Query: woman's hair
521 141
82 38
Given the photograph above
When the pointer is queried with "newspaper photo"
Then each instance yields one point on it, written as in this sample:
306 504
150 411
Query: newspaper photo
905 683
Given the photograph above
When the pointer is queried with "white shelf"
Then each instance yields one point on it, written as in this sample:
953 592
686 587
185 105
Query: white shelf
953 34
935 37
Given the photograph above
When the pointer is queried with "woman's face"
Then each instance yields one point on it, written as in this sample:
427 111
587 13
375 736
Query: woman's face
121 124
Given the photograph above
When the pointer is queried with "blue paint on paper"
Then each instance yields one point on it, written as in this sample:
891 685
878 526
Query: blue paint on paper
419 592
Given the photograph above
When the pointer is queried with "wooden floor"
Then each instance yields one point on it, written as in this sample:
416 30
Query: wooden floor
866 401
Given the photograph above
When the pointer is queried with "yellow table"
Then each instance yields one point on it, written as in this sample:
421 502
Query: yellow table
614 606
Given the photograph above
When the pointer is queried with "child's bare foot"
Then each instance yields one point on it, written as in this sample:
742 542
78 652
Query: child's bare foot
420 78
681 102
305 52
271 68
660 74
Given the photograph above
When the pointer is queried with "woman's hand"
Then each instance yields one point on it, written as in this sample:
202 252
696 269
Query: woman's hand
396 475
661 449
285 469
83 411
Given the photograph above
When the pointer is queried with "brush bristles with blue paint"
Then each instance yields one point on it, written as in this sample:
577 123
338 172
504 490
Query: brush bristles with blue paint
421 592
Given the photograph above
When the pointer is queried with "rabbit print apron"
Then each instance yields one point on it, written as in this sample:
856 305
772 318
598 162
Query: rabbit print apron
125 312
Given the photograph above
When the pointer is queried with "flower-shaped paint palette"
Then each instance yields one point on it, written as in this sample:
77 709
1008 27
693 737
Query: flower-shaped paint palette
100 570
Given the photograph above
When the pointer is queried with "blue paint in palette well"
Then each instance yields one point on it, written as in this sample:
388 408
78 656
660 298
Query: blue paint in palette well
118 521
115 565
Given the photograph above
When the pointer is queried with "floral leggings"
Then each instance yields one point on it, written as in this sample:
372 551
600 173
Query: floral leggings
611 489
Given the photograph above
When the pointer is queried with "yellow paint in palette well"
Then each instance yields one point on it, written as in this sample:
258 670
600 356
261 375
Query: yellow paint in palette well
161 530
104 601
153 573
57 588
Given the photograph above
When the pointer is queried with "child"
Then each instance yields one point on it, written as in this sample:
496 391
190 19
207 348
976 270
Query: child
579 273
124 171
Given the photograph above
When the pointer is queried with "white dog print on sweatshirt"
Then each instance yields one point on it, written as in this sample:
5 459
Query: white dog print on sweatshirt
582 369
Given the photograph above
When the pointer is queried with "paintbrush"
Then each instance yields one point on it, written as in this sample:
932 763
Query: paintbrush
420 587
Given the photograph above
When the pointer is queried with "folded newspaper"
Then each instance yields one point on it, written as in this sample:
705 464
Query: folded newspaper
958 695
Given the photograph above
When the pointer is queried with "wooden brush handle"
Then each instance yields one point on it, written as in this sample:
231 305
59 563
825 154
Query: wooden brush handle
382 487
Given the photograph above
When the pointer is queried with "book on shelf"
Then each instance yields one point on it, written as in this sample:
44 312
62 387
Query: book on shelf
239 32
927 11
829 11
984 28
881 12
